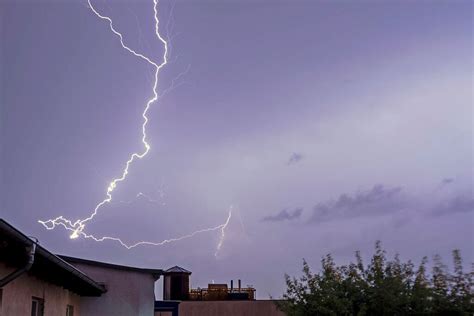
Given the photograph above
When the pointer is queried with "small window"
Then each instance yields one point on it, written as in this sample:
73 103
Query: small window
37 306
70 310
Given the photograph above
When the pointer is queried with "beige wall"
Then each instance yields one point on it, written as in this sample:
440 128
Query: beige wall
16 300
128 292
229 308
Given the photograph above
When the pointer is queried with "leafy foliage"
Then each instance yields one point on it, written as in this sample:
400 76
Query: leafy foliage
383 287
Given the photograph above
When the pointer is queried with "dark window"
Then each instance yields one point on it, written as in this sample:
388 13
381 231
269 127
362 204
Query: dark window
70 310
37 306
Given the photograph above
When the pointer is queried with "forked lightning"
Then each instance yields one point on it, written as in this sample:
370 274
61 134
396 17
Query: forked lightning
77 227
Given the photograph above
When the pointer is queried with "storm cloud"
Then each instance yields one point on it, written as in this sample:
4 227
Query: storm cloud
294 158
457 204
446 181
284 215
378 200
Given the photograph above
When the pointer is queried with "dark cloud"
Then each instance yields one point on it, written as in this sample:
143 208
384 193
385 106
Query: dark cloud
457 204
446 181
378 200
294 158
284 215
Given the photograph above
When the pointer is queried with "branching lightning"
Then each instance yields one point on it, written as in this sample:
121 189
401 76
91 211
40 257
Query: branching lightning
77 228
221 227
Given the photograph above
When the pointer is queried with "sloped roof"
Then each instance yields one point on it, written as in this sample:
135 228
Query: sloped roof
177 269
155 272
46 266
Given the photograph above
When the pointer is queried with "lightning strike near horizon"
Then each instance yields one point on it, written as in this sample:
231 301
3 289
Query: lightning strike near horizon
77 227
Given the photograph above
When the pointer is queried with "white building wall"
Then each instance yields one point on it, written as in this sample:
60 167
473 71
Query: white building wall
17 296
128 292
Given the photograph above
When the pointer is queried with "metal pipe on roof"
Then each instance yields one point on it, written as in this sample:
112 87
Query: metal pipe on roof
15 274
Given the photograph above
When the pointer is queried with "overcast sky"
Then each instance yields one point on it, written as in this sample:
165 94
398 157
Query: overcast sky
325 124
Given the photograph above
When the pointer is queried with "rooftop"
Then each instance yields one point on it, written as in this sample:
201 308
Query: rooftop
177 269
155 272
46 266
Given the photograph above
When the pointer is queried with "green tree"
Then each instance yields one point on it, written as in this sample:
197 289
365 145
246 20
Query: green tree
439 285
421 294
383 287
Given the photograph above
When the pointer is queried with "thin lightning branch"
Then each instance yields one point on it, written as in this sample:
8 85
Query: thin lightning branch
222 228
148 198
138 196
140 41
174 85
170 26
162 193
242 226
77 228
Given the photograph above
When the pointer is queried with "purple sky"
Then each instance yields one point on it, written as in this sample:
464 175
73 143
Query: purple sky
326 124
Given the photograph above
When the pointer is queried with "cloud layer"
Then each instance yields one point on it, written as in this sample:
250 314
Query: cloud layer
458 204
294 158
378 200
284 215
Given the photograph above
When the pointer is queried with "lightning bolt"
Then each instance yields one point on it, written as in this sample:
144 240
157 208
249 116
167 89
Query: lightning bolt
222 228
77 227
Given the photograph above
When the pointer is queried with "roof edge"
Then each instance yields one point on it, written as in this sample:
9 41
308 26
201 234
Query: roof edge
40 250
155 272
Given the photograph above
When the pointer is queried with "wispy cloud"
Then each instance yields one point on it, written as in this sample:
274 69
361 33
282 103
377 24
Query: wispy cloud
284 215
294 158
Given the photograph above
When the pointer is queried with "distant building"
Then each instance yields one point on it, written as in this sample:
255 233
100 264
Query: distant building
215 300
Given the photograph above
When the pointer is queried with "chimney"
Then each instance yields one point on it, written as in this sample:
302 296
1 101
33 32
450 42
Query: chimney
239 285
231 285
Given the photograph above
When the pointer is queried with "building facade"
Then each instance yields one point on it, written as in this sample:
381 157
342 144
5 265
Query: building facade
19 296
229 308
130 290
35 282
